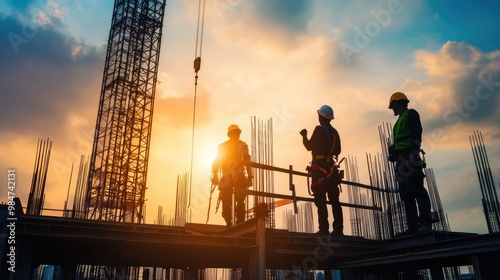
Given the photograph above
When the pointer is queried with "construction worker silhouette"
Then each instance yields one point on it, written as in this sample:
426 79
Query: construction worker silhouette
325 148
231 158
405 152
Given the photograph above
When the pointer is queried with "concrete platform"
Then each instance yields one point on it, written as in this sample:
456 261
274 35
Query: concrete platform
69 242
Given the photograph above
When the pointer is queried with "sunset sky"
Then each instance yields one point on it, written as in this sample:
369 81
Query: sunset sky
279 59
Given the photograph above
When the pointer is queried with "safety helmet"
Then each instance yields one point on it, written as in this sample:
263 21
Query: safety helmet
232 128
397 96
326 112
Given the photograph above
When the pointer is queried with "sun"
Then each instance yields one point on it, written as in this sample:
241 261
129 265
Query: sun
205 155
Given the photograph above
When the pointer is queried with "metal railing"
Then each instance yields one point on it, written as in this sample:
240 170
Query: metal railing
294 196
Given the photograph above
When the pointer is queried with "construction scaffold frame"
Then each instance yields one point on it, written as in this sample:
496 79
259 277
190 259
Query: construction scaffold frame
119 160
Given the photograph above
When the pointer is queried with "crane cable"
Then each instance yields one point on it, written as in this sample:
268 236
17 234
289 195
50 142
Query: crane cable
197 65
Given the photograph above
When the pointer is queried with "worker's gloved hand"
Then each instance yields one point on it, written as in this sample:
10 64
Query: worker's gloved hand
215 180
391 153
303 132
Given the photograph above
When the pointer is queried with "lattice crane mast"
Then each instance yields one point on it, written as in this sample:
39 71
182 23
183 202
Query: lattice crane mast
119 160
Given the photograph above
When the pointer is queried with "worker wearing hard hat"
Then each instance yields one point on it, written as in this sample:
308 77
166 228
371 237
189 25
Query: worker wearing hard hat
325 148
405 151
230 161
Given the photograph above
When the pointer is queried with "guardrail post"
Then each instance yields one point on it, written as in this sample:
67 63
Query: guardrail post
257 261
292 188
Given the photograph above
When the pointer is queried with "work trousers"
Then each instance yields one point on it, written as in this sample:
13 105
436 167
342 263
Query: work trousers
412 192
230 184
320 192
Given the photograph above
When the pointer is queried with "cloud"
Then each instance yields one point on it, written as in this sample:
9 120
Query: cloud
453 60
270 24
461 86
56 71
50 89
41 12
293 15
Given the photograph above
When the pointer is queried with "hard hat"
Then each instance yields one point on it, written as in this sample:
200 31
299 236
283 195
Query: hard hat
397 96
326 112
233 127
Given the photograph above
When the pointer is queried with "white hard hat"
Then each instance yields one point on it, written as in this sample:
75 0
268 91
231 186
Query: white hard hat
326 112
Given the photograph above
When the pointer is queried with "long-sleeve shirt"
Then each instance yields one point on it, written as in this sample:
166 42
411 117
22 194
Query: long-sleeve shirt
415 127
320 144
230 157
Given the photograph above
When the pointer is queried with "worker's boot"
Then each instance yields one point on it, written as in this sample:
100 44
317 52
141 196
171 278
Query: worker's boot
408 232
336 232
322 233
425 227
338 228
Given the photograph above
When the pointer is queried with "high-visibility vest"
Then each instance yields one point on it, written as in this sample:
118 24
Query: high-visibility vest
402 133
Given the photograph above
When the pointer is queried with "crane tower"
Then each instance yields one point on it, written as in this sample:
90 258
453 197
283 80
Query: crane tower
119 160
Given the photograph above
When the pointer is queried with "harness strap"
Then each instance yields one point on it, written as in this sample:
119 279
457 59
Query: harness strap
320 157
330 136
327 173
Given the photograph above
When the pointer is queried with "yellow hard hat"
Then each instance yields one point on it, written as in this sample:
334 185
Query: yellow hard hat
232 128
397 96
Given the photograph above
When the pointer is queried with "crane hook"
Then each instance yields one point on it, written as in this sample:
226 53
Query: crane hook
197 64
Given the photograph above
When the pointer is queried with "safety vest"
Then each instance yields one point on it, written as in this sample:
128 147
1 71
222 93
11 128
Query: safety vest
402 133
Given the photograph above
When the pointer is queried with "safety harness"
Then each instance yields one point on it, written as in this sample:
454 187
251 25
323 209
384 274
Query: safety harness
321 173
